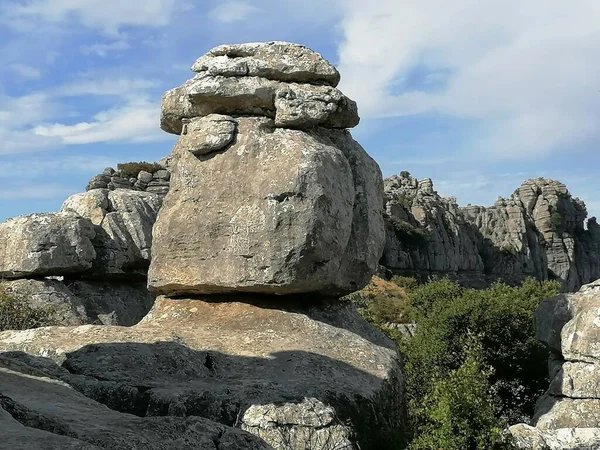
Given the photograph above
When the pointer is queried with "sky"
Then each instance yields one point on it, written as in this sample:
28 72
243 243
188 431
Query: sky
478 96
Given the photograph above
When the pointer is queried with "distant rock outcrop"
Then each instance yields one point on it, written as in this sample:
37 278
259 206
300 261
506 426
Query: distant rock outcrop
154 183
537 232
568 415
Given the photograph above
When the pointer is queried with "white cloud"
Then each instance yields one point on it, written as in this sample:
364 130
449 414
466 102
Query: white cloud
103 49
31 191
233 11
104 15
527 71
135 122
25 71
41 167
107 86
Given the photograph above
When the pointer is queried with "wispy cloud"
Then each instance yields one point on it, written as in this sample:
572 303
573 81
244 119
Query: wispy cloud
25 71
28 191
104 49
233 11
135 122
521 68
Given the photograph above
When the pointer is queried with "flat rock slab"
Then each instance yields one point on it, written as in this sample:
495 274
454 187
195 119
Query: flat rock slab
218 360
38 411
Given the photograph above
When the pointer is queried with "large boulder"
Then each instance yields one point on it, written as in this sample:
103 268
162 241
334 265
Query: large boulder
124 220
278 370
256 208
38 411
40 245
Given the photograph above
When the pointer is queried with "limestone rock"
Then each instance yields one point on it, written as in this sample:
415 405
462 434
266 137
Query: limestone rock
39 245
38 411
84 302
282 61
229 360
124 220
280 211
290 104
537 232
529 438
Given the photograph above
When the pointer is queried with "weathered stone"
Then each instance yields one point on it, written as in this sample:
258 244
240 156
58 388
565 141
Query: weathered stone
124 232
218 359
162 175
537 232
207 134
290 104
282 61
39 245
98 182
144 177
526 437
38 411
310 222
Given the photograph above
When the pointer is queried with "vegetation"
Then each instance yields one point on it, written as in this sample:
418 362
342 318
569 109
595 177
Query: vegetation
473 365
408 235
383 302
132 169
16 315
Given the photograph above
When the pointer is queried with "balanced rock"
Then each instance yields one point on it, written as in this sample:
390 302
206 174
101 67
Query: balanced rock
40 245
269 194
568 414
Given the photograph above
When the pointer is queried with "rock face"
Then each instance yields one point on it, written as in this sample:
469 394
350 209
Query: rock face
537 232
156 182
268 193
124 220
45 244
283 371
39 411
568 415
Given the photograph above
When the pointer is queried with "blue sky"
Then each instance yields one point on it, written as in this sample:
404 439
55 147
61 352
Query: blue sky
478 96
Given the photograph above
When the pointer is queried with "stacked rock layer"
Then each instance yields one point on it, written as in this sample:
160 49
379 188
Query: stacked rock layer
269 192
568 415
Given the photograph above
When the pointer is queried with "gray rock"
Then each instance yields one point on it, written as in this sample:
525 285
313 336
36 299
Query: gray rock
230 360
529 438
124 221
280 211
144 177
38 411
162 174
282 61
98 182
204 135
39 245
290 104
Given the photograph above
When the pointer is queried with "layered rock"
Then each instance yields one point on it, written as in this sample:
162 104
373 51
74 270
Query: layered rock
156 182
568 415
537 232
267 193
40 411
281 371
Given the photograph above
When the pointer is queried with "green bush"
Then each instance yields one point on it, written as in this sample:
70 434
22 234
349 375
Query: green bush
501 320
16 315
407 283
459 412
132 169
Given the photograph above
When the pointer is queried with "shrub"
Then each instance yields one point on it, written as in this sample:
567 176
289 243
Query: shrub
407 283
16 315
501 320
132 169
459 412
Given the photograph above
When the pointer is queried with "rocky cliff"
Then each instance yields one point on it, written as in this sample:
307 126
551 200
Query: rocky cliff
537 232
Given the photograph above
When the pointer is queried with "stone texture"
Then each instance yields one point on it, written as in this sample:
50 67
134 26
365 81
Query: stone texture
39 245
537 232
309 222
282 61
230 360
124 220
38 411
569 413
84 302
290 104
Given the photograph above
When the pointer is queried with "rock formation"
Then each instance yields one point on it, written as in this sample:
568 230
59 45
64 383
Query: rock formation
273 212
537 232
268 193
567 416
154 183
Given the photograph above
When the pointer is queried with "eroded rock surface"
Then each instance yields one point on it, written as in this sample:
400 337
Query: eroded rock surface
537 232
568 415
227 360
